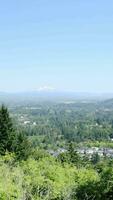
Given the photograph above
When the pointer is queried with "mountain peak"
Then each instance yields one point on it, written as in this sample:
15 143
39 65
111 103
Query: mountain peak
46 89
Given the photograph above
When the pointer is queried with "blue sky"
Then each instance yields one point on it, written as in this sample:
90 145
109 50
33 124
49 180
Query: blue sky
63 44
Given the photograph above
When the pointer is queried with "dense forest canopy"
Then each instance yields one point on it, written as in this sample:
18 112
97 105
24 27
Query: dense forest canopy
54 123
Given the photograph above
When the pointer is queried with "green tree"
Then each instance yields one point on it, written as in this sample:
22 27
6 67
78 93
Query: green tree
10 139
7 134
22 146
73 155
95 158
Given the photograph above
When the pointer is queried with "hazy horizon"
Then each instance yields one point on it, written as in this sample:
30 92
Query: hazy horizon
61 45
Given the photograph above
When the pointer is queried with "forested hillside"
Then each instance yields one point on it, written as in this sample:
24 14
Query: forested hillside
54 124
28 170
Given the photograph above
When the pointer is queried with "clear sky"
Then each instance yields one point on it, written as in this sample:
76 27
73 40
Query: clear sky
64 44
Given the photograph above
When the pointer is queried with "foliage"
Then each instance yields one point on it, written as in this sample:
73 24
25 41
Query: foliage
55 124
6 131
10 140
46 178
21 146
29 172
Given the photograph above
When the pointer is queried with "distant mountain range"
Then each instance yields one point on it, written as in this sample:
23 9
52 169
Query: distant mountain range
50 94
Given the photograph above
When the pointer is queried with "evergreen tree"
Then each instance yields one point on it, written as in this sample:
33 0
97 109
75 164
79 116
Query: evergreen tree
95 158
74 156
6 131
10 139
22 146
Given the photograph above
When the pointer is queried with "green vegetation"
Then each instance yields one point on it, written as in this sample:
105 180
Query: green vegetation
10 139
42 176
6 131
29 172
53 125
